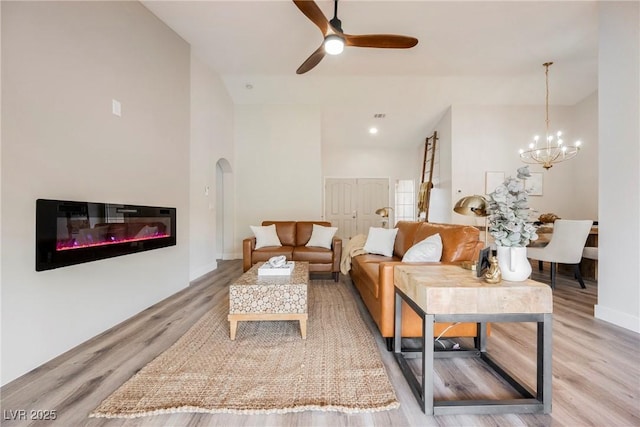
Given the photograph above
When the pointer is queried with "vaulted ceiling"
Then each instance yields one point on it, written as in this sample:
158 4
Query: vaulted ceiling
469 52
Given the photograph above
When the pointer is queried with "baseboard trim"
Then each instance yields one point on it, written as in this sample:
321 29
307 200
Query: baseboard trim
231 255
618 318
193 275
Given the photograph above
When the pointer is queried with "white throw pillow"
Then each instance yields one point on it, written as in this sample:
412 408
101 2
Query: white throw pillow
265 236
380 241
322 236
427 250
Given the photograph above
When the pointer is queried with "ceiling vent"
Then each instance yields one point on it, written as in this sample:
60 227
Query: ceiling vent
379 116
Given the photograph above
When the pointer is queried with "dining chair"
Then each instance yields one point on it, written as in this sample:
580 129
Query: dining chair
565 247
590 252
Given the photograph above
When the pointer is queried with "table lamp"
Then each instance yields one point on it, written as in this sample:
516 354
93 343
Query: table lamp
384 213
472 206
475 206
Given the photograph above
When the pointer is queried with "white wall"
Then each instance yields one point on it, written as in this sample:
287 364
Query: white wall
619 161
584 126
278 165
441 205
63 63
487 138
211 140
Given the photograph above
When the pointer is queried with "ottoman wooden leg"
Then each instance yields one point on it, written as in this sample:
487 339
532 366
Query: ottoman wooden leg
303 328
233 327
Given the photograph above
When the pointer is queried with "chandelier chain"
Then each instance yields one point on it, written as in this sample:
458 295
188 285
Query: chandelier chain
546 72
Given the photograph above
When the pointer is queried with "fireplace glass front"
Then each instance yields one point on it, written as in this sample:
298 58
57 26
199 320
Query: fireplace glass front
70 232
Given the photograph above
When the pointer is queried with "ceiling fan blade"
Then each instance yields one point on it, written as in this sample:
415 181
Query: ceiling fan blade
389 41
312 60
313 12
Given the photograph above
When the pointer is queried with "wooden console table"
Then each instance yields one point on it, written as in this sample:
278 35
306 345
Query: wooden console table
449 293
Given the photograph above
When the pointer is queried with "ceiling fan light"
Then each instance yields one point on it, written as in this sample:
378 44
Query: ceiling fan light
333 44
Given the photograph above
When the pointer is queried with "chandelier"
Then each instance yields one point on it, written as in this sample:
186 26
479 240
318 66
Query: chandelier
552 149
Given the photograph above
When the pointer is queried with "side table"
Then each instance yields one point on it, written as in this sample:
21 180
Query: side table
449 293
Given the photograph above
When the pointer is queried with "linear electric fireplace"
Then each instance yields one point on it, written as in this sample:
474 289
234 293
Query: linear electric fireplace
69 233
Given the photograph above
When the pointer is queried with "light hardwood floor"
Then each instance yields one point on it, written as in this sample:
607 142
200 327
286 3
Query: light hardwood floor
596 369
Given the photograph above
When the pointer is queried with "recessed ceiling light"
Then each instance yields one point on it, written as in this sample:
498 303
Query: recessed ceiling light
373 130
248 86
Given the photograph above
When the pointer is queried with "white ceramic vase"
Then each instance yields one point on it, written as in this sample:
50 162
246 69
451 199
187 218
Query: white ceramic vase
513 263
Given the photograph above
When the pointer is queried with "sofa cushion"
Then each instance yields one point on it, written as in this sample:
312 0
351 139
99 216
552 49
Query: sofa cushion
405 238
321 236
380 241
265 236
263 254
304 229
459 242
286 231
427 250
313 255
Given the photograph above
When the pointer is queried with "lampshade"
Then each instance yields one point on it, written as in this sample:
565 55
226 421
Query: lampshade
333 44
384 212
472 206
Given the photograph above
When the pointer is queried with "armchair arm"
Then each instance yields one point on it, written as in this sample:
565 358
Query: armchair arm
248 246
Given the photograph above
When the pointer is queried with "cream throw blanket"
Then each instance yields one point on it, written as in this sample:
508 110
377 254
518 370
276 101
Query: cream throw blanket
355 246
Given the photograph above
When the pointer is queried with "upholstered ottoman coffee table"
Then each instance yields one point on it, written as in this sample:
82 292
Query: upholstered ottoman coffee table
257 298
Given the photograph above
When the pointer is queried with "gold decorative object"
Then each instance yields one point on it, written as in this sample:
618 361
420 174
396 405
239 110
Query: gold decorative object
552 149
548 218
493 274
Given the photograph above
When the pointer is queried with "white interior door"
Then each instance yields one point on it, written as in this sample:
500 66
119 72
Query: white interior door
340 205
351 203
373 194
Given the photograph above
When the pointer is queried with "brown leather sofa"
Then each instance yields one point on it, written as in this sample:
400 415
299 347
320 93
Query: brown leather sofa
294 235
372 275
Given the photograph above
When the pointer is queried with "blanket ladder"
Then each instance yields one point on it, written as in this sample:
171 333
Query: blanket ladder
426 184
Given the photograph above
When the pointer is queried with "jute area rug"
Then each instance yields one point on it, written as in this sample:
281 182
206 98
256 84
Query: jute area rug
269 368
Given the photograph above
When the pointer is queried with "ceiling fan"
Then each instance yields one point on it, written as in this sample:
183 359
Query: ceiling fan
335 39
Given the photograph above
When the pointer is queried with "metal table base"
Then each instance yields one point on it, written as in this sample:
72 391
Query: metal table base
538 401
